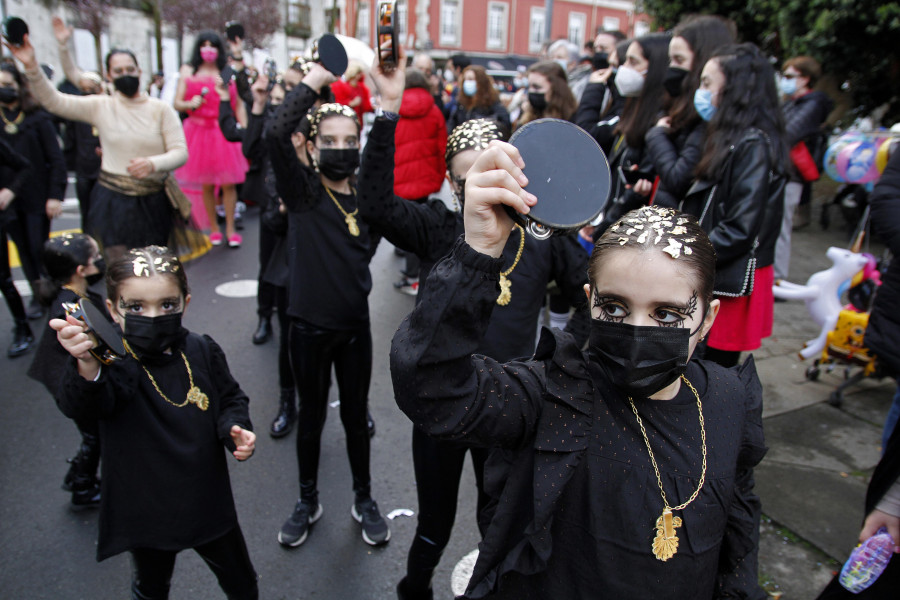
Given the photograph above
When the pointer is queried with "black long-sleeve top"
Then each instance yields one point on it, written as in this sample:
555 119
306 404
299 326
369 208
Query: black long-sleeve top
330 279
165 481
15 169
590 116
674 158
430 229
37 142
578 502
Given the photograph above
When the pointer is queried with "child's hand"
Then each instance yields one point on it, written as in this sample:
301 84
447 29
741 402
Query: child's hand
72 336
245 441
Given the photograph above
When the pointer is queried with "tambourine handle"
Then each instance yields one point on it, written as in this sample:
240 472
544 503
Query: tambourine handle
538 231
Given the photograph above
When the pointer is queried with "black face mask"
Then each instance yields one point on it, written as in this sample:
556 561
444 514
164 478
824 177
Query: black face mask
640 361
150 337
673 80
538 101
127 84
338 164
101 272
8 95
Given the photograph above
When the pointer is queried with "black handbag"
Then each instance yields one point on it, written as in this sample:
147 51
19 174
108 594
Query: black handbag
736 278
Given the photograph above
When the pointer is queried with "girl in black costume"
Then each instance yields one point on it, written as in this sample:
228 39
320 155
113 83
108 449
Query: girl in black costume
165 412
329 252
632 469
72 262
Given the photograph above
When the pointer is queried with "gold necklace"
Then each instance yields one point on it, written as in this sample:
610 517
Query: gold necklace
349 218
505 284
12 127
73 290
665 545
194 395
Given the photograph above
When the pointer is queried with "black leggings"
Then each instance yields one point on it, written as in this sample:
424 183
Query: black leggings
28 232
227 557
313 352
438 465
7 287
285 375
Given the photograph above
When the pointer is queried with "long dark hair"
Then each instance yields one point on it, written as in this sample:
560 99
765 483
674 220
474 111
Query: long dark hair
642 113
561 103
216 41
485 96
747 100
27 103
704 34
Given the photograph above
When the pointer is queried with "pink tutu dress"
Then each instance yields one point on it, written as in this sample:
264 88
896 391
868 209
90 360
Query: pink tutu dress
211 158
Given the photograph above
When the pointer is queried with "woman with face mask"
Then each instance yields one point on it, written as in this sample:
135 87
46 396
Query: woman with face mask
430 230
132 203
213 161
630 466
739 192
640 81
675 144
548 94
477 98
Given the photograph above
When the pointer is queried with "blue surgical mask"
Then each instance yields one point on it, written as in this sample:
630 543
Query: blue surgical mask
703 104
788 86
470 86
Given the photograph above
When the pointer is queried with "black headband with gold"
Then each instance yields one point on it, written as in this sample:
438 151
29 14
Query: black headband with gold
471 135
329 110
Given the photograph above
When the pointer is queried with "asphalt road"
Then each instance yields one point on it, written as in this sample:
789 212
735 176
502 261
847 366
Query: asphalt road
49 551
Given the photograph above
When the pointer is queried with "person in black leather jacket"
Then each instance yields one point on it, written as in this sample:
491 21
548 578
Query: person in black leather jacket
675 145
739 193
883 330
804 112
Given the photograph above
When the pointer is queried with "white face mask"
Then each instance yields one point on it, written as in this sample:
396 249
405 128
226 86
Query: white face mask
448 75
629 82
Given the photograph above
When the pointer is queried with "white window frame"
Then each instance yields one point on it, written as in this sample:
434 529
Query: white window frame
402 18
498 43
363 23
536 33
579 19
450 33
611 24
641 28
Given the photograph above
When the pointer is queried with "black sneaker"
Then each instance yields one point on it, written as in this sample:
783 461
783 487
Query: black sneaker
296 528
374 528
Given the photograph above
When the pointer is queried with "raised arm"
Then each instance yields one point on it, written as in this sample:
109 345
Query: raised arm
63 34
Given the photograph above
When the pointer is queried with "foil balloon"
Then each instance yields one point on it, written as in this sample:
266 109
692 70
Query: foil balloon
884 154
861 162
830 159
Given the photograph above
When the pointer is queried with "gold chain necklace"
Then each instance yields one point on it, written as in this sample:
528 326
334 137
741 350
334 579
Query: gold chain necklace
505 284
12 127
194 395
73 290
665 545
349 218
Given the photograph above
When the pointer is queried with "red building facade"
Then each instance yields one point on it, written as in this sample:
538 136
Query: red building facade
496 27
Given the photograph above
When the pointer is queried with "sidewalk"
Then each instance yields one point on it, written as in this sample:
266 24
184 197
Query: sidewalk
813 480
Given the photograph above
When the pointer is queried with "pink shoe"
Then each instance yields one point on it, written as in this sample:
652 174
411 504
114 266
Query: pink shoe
235 240
215 238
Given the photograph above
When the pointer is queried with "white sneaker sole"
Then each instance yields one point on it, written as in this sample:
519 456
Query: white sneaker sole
358 518
315 517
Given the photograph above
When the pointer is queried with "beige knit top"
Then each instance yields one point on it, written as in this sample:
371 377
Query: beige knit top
128 127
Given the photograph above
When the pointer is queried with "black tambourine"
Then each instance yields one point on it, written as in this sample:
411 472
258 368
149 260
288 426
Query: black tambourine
330 53
108 346
566 170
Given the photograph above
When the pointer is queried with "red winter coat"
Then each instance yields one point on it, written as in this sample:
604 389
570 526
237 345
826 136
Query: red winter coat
420 140
344 93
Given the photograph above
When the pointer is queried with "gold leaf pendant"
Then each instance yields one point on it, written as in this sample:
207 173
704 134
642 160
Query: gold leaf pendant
505 293
352 226
665 545
195 396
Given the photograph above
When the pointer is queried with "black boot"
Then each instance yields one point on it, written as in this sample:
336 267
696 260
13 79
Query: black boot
263 331
22 339
287 414
82 476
